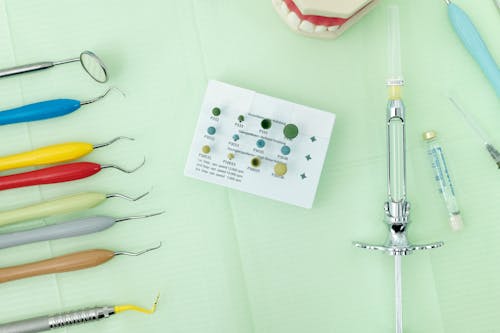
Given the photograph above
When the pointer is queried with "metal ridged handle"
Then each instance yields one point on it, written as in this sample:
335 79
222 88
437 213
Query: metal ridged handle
45 323
79 317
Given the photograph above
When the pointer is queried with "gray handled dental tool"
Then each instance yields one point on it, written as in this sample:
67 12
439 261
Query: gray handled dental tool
72 228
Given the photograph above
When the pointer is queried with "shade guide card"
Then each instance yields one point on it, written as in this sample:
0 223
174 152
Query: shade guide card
260 144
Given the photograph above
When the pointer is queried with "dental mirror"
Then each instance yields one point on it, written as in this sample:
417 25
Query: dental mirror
92 64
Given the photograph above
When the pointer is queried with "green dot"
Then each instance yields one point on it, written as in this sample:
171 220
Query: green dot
241 118
266 123
255 162
291 131
216 112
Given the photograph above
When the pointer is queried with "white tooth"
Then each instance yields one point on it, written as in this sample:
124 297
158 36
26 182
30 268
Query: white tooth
293 19
320 28
333 28
284 8
307 26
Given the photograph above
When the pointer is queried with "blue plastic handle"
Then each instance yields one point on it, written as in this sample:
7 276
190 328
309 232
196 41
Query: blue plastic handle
39 111
470 37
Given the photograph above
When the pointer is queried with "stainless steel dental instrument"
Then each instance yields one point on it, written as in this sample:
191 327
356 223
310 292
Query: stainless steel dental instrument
473 42
443 179
61 205
397 207
66 263
494 153
74 228
46 323
58 174
90 62
47 109
58 153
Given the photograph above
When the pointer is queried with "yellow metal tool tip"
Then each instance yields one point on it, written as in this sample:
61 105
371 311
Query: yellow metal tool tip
130 307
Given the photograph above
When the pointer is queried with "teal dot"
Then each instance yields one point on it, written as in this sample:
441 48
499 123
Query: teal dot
211 130
261 143
236 137
285 150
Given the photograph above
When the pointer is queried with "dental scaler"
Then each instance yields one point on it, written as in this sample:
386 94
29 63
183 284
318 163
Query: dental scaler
67 263
58 174
397 208
45 110
61 205
46 323
57 153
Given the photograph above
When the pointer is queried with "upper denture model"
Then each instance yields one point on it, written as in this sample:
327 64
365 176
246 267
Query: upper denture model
322 18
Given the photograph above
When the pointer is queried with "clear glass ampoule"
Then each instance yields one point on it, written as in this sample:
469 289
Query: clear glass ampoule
443 179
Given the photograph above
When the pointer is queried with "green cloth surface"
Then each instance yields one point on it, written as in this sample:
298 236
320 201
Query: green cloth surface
231 261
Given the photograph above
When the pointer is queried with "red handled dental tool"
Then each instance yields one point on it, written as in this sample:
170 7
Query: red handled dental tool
58 174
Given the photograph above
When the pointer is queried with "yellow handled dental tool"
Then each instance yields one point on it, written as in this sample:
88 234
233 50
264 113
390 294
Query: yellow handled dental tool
61 205
47 323
62 152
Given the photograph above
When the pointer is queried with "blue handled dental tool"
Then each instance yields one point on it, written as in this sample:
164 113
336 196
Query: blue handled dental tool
46 109
473 42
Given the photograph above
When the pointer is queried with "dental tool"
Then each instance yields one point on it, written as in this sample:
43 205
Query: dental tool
74 228
90 62
443 179
397 208
46 323
46 109
66 263
61 205
473 42
58 174
58 153
494 153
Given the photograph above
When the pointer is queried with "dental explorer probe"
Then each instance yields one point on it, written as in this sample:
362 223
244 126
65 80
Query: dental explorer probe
73 228
66 263
397 208
62 205
46 323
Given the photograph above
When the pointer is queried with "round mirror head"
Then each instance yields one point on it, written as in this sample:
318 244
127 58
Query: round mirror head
94 66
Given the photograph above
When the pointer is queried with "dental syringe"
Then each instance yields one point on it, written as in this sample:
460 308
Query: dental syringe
494 153
397 207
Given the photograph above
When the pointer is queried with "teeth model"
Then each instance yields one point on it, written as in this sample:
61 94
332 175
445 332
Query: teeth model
322 18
